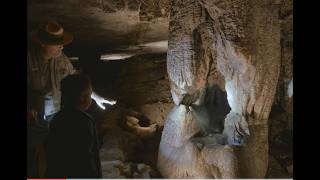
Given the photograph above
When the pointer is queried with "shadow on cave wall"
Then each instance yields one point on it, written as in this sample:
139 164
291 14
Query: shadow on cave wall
212 112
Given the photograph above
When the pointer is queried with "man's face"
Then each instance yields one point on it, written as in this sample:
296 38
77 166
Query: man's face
52 50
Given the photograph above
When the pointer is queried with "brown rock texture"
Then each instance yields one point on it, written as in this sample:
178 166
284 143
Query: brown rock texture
240 41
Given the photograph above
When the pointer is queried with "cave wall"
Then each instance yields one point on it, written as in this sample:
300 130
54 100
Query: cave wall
285 85
281 116
141 87
139 83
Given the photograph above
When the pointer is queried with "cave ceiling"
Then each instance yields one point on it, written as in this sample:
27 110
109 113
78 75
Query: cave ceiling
112 27
119 28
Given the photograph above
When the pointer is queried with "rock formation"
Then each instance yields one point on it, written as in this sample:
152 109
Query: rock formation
235 46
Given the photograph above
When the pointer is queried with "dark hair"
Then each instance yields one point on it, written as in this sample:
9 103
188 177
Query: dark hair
71 88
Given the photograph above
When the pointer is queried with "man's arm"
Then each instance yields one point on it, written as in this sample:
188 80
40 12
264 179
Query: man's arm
99 100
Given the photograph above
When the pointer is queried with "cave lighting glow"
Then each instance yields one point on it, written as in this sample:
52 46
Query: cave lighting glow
159 46
230 95
108 57
153 47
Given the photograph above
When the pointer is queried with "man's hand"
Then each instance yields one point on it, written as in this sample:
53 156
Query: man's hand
100 100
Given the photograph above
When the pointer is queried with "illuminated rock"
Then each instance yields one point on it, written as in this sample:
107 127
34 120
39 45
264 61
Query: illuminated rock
234 45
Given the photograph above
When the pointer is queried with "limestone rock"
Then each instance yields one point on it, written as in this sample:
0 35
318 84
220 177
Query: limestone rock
157 112
179 127
180 162
128 22
241 41
275 170
108 154
110 169
221 158
126 170
144 175
142 168
137 89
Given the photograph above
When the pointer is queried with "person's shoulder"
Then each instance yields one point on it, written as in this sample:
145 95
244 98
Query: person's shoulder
71 116
83 119
87 116
63 57
77 114
64 65
56 117
63 60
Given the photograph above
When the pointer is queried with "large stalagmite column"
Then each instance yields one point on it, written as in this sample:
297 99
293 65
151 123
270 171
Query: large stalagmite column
240 41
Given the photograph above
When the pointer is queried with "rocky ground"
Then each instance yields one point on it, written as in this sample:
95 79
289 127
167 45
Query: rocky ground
124 153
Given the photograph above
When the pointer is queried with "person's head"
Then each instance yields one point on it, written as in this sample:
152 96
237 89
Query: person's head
51 37
76 91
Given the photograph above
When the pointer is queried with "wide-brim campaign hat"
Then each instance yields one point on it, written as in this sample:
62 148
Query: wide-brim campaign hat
51 33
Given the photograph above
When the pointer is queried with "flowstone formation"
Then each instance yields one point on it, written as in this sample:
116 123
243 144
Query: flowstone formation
223 63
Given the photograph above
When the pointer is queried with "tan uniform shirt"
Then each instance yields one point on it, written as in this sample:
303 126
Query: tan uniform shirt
44 78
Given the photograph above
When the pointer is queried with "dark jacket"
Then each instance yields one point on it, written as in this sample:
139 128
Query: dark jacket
36 137
72 148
